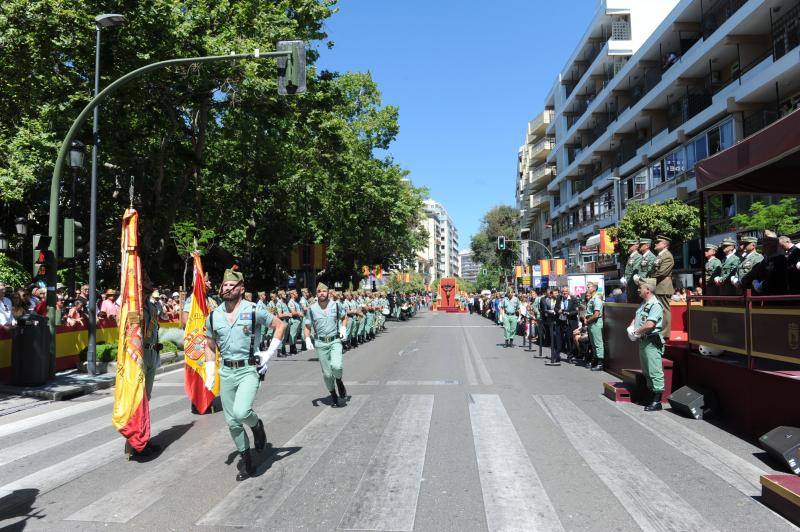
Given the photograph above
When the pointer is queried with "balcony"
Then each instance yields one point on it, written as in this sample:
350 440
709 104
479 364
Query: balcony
687 106
786 32
538 152
758 120
538 200
540 176
717 14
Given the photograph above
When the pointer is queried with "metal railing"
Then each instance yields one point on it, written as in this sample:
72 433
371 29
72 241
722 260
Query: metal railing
786 32
759 120
687 106
717 14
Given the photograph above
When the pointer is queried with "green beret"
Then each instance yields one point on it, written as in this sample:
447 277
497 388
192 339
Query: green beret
631 242
645 241
712 247
749 239
666 238
322 286
649 281
727 242
233 275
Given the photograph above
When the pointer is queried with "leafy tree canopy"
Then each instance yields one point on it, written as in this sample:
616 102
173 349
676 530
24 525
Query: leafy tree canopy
502 220
782 217
672 218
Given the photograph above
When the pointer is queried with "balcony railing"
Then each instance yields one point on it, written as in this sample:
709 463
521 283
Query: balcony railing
786 32
759 120
687 106
717 14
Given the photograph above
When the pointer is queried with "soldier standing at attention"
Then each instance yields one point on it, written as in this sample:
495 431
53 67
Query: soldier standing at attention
594 322
235 329
324 318
304 296
648 261
750 258
295 322
662 272
510 306
728 268
647 327
272 309
631 269
284 315
713 269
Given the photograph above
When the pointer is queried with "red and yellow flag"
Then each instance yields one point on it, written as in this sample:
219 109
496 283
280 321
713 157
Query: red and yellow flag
559 266
544 265
131 415
194 345
606 245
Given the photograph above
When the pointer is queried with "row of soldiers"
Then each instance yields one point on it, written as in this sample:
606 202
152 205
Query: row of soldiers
643 263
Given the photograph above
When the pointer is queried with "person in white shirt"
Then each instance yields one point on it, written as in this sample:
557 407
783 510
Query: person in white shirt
7 320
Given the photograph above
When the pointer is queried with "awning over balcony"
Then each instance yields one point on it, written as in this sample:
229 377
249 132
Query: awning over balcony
766 162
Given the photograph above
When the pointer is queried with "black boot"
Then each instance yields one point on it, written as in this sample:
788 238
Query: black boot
283 351
334 399
341 388
246 469
293 349
655 404
259 436
303 346
598 367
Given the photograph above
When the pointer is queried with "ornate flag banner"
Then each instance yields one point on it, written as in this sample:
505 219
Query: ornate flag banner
131 415
194 345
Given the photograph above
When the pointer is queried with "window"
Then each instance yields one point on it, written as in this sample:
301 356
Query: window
675 164
726 135
696 151
656 173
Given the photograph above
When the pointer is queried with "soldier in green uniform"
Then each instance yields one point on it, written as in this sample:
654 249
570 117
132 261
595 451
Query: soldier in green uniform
647 328
369 327
350 311
272 309
631 269
295 322
510 306
742 279
284 314
304 303
662 272
594 324
235 328
324 318
713 270
728 269
362 325
648 261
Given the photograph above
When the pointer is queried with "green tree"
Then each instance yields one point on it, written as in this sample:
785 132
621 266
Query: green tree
672 218
188 238
12 273
501 220
397 283
782 217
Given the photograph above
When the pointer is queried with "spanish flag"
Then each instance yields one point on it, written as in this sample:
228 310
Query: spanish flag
131 415
544 265
194 345
560 266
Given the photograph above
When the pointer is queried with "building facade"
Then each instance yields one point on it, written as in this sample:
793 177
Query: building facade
467 267
632 117
441 251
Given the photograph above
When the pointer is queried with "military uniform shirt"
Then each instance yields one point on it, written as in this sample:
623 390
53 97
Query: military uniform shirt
234 340
647 264
271 307
282 307
747 263
510 306
650 311
324 323
713 269
595 304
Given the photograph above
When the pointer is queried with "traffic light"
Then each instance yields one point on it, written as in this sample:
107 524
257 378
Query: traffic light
501 243
292 68
42 255
73 239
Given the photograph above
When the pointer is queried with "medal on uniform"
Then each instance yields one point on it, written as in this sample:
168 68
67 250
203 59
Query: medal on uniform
246 329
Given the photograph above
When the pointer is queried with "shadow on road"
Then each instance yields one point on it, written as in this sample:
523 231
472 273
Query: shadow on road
164 439
19 503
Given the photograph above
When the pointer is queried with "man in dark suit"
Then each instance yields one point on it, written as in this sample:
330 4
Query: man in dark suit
770 276
549 312
792 253
567 311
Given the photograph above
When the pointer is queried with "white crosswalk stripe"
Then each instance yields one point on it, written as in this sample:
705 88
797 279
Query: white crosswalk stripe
253 503
386 498
52 439
648 499
513 495
54 415
136 496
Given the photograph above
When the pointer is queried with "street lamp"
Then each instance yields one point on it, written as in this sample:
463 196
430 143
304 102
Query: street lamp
21 224
3 242
77 153
106 20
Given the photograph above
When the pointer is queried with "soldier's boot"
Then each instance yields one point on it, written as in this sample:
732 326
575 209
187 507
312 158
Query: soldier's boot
655 404
334 399
293 349
303 346
283 351
259 436
341 388
245 466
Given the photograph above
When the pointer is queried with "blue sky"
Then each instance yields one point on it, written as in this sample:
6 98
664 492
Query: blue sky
467 77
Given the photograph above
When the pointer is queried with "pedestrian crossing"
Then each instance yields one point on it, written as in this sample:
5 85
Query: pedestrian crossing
516 490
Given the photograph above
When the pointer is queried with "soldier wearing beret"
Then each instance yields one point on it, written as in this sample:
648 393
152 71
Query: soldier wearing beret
631 269
712 271
326 319
662 272
235 328
728 269
648 261
742 279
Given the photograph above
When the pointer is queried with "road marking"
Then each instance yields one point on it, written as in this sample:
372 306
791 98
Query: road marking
731 468
133 498
53 439
386 497
169 384
513 495
252 503
57 475
486 378
472 377
423 383
320 381
48 417
648 499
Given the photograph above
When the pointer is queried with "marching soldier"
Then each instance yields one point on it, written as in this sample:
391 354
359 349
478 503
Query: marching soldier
647 328
324 318
369 306
713 270
631 269
284 314
728 268
510 306
742 279
648 261
235 329
594 322
295 322
304 303
662 272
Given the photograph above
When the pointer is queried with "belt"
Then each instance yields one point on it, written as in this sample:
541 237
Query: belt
156 346
327 338
239 363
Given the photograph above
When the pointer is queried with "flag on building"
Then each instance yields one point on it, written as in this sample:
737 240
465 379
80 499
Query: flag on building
544 265
131 415
194 345
559 266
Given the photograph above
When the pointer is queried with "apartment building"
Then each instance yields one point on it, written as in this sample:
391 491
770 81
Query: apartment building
630 121
441 251
467 267
533 175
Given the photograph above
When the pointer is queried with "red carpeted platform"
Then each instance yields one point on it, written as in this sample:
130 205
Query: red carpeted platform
782 494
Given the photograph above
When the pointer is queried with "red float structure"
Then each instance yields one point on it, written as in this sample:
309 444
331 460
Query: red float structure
448 290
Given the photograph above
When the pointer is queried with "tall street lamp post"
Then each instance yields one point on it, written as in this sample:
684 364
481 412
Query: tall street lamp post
21 224
107 20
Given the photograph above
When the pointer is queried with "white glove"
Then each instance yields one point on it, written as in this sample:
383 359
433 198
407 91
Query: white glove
266 355
735 280
717 281
636 278
797 265
632 332
211 374
342 331
623 281
309 345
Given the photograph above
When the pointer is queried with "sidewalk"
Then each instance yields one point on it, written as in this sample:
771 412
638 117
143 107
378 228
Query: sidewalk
72 383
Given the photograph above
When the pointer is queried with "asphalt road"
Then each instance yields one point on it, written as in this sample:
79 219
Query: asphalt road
445 430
